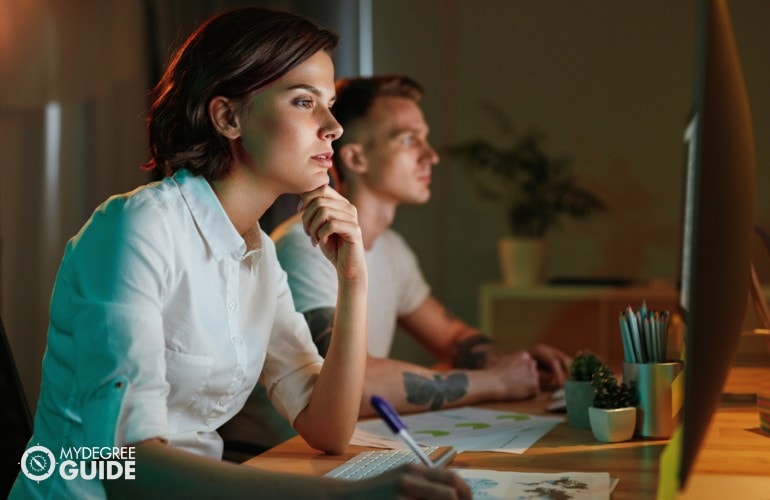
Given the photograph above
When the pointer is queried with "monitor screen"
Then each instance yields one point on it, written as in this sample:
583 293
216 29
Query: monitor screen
718 224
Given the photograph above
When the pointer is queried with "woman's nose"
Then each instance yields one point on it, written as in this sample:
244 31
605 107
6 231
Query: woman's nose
333 130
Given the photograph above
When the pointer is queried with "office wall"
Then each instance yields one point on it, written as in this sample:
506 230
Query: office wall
73 81
609 83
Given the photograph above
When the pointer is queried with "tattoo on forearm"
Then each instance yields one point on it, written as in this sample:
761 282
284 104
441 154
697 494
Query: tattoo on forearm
464 355
422 390
320 322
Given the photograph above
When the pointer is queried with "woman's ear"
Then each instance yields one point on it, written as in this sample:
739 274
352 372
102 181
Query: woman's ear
224 118
353 158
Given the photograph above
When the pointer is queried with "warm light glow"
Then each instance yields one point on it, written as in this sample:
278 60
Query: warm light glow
17 28
5 34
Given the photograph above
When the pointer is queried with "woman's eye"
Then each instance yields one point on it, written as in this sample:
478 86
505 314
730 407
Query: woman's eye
304 103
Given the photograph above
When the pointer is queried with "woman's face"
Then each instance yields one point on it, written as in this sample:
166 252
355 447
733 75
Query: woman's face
287 129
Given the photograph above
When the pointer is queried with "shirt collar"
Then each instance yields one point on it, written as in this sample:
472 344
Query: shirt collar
212 221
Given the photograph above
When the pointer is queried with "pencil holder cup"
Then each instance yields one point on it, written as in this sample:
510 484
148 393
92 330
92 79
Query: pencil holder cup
659 394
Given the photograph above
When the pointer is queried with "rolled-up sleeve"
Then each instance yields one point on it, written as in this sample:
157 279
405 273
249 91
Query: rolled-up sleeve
112 279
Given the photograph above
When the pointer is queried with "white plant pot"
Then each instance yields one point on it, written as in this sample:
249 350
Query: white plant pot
522 260
612 426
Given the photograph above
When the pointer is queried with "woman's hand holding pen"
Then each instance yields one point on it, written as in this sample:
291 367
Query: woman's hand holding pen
331 221
414 482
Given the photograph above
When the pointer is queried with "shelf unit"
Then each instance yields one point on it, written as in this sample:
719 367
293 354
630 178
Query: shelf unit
575 318
571 318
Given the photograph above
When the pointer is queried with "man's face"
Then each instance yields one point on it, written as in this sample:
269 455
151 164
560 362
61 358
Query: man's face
398 156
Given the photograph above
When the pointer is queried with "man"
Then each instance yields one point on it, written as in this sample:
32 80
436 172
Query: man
383 160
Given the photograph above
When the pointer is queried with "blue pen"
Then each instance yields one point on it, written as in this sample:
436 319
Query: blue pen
390 416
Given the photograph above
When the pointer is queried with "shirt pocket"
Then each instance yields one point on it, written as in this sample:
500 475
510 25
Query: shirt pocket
187 375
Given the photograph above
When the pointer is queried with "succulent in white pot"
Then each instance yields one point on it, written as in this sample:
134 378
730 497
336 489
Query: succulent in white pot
613 413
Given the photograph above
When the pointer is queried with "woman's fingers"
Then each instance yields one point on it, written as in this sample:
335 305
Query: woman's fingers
321 222
331 221
327 213
423 482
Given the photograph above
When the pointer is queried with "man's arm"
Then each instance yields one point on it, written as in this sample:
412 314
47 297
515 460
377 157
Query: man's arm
451 339
412 388
447 337
320 322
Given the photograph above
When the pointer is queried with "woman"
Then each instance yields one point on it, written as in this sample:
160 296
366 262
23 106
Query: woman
169 304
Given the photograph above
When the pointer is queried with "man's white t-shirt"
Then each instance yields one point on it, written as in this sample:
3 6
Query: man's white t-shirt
396 284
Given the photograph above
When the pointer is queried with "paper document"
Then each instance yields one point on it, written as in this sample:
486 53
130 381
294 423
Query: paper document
465 429
493 485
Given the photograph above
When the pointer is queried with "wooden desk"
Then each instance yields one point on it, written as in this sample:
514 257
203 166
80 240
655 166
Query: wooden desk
733 447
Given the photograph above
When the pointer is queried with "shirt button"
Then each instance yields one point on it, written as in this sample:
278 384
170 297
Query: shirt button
232 306
238 373
222 401
236 340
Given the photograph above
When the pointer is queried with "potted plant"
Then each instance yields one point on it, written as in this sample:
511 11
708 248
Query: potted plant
613 414
578 391
536 189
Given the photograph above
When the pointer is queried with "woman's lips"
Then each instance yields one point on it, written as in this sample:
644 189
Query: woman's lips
324 159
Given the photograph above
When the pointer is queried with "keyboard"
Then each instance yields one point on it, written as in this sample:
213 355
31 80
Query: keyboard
373 463
558 402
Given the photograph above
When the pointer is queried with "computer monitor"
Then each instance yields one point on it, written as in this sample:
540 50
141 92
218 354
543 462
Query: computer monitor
718 224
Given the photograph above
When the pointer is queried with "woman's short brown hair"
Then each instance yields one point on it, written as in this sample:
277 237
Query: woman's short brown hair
233 54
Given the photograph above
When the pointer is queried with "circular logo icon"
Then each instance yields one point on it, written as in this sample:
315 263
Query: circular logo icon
38 463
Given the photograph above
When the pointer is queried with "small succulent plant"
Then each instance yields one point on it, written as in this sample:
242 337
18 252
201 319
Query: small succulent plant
610 394
583 366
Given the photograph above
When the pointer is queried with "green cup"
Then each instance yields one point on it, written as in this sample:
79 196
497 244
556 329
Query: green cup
659 398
